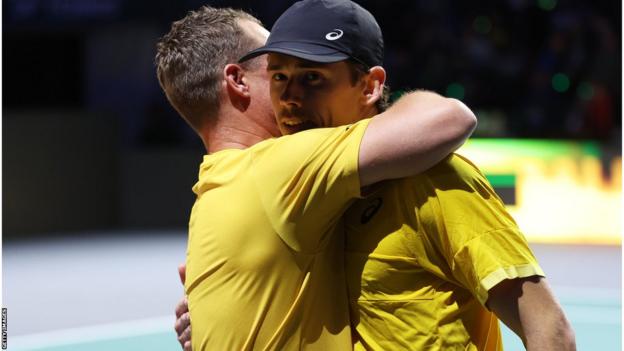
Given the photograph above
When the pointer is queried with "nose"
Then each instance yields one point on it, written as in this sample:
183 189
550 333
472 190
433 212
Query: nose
292 94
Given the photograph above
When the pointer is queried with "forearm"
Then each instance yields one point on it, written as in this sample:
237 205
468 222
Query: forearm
417 132
555 333
528 307
451 119
543 321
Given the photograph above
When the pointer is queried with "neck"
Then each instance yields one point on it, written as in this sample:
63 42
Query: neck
370 112
234 130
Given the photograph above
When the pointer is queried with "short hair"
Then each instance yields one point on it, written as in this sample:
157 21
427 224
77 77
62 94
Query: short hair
191 57
358 70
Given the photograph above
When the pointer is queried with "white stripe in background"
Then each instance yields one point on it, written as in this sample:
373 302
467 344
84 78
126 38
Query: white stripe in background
582 305
93 333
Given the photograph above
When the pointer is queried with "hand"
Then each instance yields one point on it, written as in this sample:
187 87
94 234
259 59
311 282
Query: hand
183 321
182 273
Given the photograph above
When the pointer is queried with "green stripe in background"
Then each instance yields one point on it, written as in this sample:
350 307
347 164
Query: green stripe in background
505 186
538 148
502 180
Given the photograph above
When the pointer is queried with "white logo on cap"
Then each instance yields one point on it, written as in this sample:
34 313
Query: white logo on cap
335 35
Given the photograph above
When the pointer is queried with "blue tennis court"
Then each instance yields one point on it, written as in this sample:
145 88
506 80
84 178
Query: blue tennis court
117 291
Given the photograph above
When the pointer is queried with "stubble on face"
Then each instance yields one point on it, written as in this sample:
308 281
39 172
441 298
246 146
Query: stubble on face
308 95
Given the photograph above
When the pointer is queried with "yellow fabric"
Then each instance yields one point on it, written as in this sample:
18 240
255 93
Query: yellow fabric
423 252
265 259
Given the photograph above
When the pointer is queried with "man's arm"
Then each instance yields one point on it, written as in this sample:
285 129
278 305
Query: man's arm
528 307
418 131
481 242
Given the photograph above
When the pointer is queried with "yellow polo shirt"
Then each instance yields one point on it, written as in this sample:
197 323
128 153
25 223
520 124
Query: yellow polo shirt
265 259
422 253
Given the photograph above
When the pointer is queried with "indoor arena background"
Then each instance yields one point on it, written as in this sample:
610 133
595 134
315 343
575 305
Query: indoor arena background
97 167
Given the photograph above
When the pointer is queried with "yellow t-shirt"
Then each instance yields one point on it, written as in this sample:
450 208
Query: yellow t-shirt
265 259
422 253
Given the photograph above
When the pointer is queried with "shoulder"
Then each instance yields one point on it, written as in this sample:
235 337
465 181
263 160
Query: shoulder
454 177
456 165
455 170
313 141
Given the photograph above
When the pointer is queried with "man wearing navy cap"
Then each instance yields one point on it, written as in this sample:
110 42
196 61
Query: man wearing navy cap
427 256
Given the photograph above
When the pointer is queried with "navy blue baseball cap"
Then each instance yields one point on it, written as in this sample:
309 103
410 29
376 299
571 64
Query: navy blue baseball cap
325 31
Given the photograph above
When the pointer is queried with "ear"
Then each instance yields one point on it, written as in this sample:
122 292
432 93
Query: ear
235 80
237 86
375 81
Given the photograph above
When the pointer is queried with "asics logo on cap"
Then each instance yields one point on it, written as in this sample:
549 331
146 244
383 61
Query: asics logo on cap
335 35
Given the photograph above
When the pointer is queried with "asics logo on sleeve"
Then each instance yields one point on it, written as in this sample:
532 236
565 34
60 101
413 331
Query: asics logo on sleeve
335 35
371 210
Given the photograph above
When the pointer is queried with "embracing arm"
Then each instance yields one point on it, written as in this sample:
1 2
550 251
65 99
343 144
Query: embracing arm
528 307
418 131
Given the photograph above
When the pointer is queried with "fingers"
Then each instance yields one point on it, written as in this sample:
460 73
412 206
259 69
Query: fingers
183 330
183 321
185 338
182 272
181 307
181 310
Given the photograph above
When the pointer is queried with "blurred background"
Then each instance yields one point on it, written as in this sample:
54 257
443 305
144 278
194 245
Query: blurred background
97 167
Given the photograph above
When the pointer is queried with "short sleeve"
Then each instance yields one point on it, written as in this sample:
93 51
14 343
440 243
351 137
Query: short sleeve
469 224
307 180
